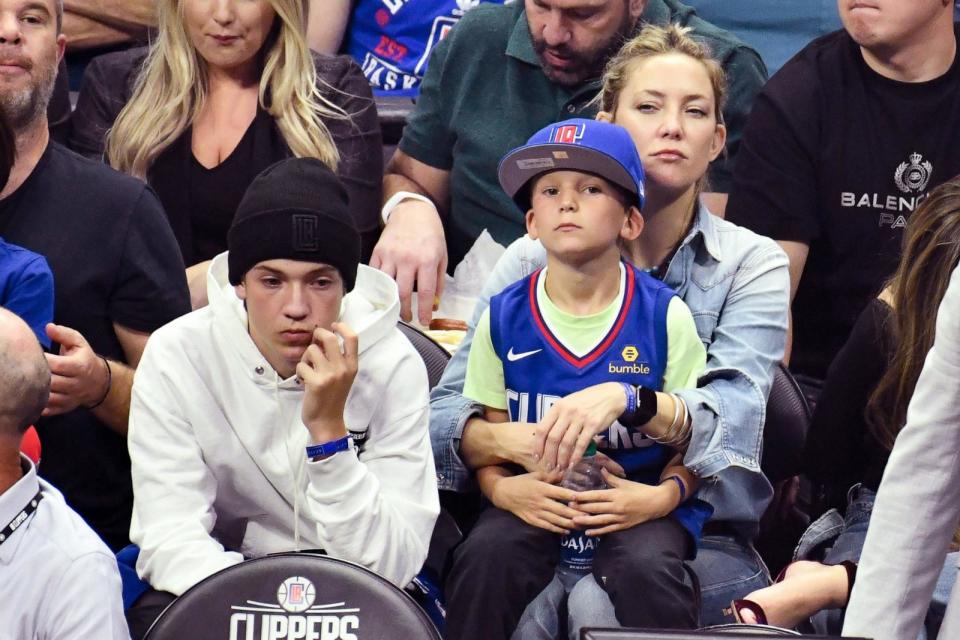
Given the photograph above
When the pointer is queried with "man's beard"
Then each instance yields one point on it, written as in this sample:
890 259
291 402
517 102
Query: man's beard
24 106
584 65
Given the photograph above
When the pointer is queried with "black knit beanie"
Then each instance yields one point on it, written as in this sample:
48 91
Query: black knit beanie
297 210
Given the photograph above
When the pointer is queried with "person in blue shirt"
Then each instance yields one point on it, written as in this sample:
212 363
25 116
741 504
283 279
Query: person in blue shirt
26 283
26 287
391 40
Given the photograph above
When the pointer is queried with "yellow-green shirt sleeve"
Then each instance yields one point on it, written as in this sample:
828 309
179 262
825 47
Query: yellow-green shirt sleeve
484 381
686 356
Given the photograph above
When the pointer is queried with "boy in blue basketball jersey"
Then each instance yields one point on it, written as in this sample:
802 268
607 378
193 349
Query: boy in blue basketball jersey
587 318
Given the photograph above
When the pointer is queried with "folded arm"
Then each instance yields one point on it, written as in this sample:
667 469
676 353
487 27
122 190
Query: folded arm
729 404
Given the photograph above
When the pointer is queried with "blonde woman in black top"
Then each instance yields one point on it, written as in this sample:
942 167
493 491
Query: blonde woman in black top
227 89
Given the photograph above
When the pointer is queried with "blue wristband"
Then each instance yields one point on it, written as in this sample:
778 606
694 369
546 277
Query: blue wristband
683 489
627 416
328 448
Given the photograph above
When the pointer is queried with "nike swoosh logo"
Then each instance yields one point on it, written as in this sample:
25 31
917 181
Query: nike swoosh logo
513 357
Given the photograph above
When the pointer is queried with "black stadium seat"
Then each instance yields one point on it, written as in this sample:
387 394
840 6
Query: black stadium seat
785 431
784 437
434 356
293 595
393 112
459 510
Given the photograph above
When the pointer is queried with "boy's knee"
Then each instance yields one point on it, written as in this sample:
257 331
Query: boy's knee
641 569
624 558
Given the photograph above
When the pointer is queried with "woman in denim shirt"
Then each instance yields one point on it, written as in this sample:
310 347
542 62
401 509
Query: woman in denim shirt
736 284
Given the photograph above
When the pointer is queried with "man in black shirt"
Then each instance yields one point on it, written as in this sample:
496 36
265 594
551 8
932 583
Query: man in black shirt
842 145
118 275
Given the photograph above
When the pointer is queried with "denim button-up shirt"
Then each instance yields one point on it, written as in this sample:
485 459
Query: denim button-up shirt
737 286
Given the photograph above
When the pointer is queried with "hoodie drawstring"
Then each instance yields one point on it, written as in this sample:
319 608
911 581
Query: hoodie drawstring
297 467
296 508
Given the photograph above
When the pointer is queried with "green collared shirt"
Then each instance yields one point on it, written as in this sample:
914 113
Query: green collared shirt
485 93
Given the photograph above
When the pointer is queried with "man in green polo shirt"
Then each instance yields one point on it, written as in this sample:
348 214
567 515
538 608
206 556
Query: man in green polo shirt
501 74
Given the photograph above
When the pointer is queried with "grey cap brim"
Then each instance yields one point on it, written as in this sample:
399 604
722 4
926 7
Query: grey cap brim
521 165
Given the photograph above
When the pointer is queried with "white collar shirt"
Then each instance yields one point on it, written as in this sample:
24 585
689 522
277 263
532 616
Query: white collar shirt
57 578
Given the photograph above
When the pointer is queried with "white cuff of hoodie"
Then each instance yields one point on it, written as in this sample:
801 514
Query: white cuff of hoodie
333 478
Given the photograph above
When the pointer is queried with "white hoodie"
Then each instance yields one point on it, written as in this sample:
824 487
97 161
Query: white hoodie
217 448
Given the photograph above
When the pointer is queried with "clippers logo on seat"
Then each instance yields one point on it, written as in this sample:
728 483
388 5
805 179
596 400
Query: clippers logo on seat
567 133
295 595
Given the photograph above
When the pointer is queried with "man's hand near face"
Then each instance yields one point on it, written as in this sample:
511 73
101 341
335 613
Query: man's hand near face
327 374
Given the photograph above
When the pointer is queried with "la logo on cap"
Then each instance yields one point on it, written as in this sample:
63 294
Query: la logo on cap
567 133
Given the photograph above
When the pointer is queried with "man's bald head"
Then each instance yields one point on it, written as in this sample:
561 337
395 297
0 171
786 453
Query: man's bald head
24 376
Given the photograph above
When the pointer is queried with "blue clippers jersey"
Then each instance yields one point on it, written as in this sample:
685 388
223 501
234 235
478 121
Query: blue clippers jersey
538 370
392 40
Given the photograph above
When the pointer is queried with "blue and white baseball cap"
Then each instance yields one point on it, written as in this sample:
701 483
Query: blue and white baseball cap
600 148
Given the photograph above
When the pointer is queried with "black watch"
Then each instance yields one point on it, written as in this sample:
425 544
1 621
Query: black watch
646 407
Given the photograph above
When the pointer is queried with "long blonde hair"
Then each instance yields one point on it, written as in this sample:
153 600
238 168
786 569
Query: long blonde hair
652 41
655 41
172 87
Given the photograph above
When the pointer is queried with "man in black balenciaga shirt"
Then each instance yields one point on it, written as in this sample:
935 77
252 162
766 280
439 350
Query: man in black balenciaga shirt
842 145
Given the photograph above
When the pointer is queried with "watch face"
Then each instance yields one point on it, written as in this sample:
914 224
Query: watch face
646 405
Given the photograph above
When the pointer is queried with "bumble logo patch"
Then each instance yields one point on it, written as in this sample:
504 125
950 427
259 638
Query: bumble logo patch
630 354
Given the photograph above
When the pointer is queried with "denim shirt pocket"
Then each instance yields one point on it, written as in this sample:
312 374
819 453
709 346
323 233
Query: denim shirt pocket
706 294
706 323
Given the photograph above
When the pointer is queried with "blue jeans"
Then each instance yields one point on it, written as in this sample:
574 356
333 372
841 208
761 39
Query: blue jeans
725 568
843 539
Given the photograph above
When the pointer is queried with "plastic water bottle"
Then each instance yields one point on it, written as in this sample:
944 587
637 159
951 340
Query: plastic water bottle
577 548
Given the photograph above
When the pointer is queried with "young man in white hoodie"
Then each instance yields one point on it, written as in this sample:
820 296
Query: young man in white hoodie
290 413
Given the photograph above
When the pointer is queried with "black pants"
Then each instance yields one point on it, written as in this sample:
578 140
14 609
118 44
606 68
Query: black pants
146 610
505 563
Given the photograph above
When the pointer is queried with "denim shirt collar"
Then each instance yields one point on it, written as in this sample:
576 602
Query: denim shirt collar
704 232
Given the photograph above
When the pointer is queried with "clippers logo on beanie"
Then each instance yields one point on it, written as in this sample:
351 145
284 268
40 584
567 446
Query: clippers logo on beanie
305 236
296 209
567 134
